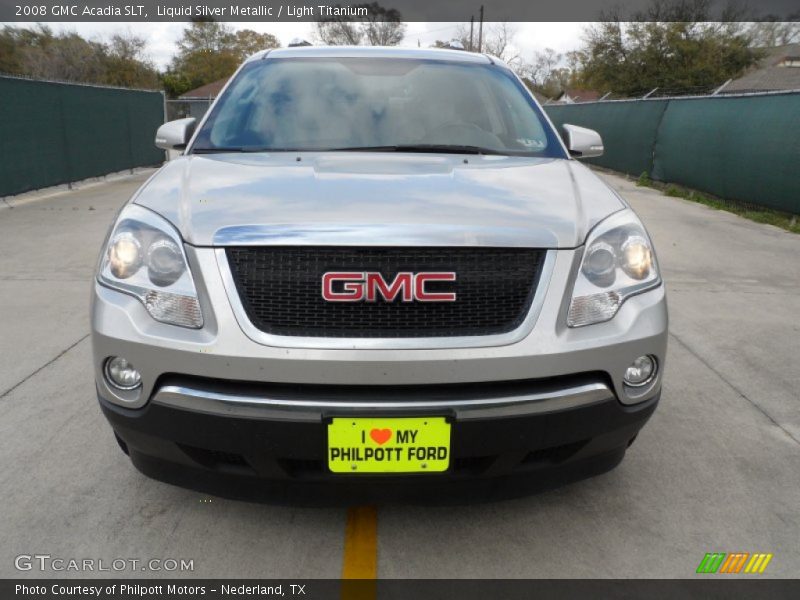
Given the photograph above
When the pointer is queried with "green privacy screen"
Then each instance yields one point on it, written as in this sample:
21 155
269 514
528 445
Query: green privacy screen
744 148
52 133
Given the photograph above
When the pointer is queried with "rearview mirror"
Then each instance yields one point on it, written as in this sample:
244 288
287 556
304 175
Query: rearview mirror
175 134
582 142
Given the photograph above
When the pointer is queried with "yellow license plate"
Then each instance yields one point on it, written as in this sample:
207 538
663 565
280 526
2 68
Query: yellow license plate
389 445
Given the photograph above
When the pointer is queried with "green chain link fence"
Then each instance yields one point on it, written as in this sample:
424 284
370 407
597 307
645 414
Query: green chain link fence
741 148
53 133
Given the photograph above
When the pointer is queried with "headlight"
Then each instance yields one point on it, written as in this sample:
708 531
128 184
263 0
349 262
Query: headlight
145 258
618 262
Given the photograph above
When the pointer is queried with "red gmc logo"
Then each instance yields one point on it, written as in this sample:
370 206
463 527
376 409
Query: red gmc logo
350 286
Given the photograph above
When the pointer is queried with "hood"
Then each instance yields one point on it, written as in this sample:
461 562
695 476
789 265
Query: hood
379 199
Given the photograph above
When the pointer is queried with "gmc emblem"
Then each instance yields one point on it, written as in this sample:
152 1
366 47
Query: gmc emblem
367 286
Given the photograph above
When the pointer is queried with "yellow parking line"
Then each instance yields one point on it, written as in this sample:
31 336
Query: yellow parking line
361 543
360 561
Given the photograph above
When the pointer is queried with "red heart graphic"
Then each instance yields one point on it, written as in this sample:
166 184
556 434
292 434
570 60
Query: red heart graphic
380 436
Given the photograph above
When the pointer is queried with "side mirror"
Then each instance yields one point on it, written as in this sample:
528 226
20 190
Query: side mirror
175 134
582 142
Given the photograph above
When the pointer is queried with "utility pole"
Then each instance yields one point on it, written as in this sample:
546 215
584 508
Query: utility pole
480 32
471 29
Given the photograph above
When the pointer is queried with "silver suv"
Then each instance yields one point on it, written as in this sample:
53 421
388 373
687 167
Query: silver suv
380 272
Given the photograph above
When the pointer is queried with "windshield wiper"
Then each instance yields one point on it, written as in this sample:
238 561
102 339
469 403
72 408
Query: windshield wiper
214 150
434 148
223 149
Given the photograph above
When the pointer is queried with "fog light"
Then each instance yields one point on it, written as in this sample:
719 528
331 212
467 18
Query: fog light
122 374
641 371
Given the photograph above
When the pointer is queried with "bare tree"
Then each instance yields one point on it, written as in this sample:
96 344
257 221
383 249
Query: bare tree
540 69
381 27
548 72
768 34
498 40
335 32
461 36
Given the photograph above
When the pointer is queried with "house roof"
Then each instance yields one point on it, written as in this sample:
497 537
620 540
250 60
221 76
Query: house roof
581 95
209 90
769 74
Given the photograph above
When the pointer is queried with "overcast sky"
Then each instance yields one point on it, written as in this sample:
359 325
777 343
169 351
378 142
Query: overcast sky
161 37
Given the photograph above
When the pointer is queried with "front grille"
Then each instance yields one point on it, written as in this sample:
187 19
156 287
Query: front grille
281 290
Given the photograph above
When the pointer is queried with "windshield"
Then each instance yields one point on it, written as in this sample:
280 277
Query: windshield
321 104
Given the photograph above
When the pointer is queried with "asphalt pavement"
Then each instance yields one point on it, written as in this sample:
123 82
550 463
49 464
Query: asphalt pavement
716 469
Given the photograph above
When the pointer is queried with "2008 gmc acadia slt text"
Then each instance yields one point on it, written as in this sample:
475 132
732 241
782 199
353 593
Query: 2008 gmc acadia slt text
376 272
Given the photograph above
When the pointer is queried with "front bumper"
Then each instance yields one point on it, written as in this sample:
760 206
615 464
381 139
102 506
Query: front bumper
237 445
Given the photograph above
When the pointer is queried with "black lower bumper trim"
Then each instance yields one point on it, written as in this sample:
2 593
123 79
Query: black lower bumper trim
377 490
284 461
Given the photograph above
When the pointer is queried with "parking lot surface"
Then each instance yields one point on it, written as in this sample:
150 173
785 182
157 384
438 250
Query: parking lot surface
717 469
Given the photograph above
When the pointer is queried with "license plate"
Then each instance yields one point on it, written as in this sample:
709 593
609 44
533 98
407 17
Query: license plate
389 445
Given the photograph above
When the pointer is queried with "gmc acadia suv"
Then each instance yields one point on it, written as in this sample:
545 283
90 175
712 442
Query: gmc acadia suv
376 271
